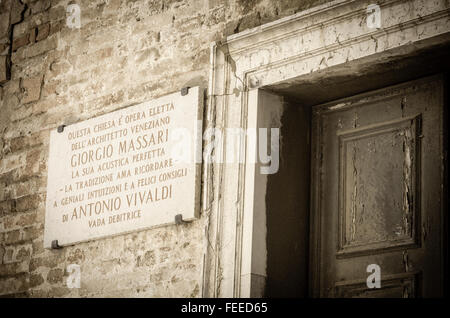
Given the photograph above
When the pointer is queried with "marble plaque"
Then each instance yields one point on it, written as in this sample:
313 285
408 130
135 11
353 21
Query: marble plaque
128 170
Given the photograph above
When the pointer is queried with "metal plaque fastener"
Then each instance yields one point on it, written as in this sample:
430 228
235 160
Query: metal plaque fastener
179 220
185 91
55 245
61 128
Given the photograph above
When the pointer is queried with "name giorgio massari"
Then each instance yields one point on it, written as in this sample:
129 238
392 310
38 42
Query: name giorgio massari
139 142
124 147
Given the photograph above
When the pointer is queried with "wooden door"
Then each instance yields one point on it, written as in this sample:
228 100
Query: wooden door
377 192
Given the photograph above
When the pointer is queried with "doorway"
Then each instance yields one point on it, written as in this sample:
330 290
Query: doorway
375 195
377 199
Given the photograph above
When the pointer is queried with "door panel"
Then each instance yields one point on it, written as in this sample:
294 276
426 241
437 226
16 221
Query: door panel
377 192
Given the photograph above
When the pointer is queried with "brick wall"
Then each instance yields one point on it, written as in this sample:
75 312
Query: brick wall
125 52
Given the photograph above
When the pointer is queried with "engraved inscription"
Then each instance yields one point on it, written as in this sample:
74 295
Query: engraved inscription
116 173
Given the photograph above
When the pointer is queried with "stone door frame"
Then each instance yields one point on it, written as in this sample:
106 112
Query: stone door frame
278 53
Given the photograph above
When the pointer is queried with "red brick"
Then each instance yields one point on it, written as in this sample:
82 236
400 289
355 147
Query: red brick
55 276
21 41
4 69
16 11
32 88
43 31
